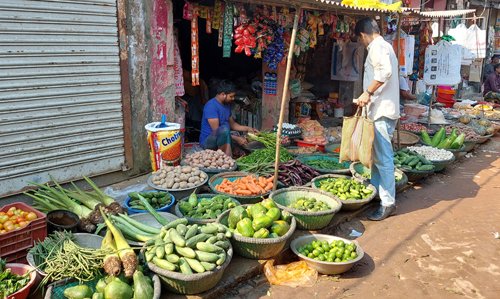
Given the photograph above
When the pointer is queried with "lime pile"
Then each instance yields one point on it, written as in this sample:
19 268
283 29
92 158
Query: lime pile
337 251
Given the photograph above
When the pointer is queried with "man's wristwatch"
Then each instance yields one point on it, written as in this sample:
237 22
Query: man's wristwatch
369 92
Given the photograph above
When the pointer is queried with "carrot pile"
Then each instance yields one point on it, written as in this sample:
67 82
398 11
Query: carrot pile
245 186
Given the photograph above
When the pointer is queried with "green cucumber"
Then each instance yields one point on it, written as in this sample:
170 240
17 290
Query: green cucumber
184 266
212 240
195 265
207 247
160 252
222 259
173 258
164 264
176 222
191 242
181 229
185 252
209 229
191 232
223 244
206 256
169 248
176 238
208 266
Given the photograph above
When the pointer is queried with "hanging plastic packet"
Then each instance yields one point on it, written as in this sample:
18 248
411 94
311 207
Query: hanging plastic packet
296 274
195 59
228 30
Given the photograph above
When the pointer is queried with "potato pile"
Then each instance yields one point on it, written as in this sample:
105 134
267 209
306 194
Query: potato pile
178 177
210 159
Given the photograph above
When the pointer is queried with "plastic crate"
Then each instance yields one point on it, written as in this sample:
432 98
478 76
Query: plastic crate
15 244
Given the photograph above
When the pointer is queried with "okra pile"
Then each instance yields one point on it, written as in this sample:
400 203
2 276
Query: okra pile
189 248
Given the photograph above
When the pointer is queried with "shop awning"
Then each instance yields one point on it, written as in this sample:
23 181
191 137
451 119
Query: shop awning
446 13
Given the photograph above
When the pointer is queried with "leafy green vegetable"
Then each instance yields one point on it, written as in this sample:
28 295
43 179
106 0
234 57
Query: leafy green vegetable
9 282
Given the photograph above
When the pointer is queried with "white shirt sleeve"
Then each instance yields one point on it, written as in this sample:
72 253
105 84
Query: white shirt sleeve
403 84
381 63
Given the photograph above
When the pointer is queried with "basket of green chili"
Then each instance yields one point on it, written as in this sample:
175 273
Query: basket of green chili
325 163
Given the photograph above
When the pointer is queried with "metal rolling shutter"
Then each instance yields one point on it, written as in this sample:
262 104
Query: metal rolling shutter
60 94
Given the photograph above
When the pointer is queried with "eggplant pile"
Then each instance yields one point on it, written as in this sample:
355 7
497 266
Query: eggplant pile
294 173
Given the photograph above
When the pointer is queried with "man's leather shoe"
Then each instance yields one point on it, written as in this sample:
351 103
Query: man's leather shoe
382 213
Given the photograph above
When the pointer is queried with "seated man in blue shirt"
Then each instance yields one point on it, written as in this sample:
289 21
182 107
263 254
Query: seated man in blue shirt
217 122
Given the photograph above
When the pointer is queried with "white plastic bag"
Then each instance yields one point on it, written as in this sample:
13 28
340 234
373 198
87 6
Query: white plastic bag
459 33
476 41
442 64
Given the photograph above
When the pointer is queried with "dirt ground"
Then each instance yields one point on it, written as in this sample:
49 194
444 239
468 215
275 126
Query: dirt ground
439 245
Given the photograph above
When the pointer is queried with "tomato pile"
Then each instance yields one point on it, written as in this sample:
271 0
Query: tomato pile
15 219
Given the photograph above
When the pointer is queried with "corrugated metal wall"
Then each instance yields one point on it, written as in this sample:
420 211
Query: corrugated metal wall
60 100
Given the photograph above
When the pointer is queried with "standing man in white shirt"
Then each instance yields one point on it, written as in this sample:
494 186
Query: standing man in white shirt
381 97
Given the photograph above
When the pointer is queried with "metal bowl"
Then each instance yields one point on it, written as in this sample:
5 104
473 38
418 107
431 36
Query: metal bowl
328 268
84 240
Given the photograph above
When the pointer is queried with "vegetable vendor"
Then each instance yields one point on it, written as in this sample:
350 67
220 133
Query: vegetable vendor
381 97
217 122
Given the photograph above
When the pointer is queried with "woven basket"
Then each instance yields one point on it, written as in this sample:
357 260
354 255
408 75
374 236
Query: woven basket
485 138
416 175
196 220
307 220
305 158
407 138
347 205
232 176
56 289
441 165
357 169
469 145
254 248
188 284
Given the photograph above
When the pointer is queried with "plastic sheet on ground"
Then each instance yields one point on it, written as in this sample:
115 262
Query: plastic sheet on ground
296 274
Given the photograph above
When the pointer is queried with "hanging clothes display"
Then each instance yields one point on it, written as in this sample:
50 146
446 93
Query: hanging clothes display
347 61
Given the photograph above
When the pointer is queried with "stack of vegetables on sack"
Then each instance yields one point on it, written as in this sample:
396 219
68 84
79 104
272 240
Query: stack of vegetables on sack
294 173
178 177
210 159
206 208
246 186
440 140
409 160
187 248
345 188
261 220
85 204
261 162
10 282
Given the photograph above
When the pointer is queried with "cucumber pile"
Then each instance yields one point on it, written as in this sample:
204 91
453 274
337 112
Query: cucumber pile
189 249
440 140
409 160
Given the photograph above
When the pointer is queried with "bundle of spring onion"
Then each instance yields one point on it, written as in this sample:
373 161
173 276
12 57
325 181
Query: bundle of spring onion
266 138
84 204
59 257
